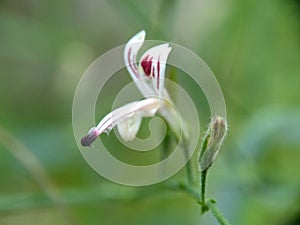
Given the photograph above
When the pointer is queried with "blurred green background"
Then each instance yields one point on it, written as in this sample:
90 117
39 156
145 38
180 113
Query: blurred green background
253 48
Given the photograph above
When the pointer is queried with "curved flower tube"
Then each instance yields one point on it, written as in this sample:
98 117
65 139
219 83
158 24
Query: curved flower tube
127 119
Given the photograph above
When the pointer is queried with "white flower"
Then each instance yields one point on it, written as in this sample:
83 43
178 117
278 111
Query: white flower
148 75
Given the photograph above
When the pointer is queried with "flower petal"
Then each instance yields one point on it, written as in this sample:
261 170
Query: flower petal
129 127
153 65
131 50
146 107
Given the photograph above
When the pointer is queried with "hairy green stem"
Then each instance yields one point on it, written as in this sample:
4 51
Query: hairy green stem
216 212
203 190
203 176
210 205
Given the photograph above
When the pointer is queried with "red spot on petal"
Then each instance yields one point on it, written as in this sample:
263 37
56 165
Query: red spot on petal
146 65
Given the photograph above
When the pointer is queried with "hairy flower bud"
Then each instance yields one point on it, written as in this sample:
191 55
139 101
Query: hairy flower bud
213 140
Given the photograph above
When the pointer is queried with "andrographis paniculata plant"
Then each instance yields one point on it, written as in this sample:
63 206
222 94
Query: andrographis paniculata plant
149 77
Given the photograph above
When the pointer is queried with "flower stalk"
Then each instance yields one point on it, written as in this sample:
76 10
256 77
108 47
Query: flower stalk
216 212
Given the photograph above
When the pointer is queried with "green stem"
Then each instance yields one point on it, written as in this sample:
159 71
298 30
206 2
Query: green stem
210 205
216 212
203 177
203 185
203 190
183 187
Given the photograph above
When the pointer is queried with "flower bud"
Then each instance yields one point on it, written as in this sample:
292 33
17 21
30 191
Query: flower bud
212 142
